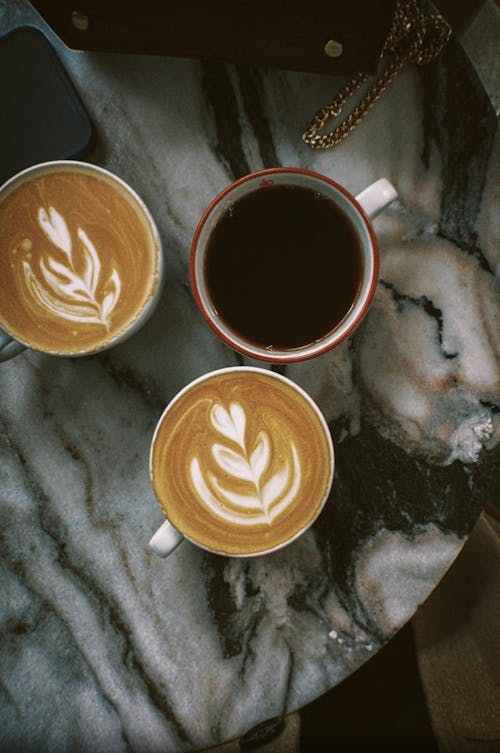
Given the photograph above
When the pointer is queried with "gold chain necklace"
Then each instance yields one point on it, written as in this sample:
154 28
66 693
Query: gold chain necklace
415 37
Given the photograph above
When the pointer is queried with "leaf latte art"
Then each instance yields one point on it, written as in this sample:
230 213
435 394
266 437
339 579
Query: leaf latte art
80 258
66 293
241 461
265 499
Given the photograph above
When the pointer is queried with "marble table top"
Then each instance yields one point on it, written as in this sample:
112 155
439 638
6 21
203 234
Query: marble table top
106 647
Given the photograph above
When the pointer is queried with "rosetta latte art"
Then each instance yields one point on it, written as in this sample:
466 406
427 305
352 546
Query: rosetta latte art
241 461
61 289
268 492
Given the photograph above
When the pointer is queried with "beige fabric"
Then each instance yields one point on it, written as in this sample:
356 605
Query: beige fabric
457 639
287 742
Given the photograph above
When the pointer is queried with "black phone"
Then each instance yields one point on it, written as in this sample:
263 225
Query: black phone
42 116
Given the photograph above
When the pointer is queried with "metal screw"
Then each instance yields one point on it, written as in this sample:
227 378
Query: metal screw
333 48
79 20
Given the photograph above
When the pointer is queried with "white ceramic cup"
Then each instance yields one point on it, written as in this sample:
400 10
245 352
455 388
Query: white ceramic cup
360 210
313 474
11 345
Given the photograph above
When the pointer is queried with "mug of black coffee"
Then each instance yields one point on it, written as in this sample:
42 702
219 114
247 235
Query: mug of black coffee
284 262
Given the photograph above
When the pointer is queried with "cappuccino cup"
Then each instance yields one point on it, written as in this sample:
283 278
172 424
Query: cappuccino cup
241 463
81 265
284 262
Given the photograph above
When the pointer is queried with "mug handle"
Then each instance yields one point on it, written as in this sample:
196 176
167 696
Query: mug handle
165 540
9 347
376 197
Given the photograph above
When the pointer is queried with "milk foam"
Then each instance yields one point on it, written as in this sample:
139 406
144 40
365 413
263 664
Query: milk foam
60 288
241 461
270 490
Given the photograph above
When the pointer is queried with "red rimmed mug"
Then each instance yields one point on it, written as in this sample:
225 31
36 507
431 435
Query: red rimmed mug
284 262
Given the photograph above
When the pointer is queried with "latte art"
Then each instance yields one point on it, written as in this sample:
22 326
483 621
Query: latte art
267 495
62 290
79 258
241 461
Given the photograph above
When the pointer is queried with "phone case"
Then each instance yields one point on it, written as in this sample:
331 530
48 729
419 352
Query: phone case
42 116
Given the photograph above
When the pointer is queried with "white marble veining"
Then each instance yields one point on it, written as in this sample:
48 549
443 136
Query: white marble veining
105 647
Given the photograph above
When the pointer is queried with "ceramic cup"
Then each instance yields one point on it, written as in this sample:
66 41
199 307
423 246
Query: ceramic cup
241 463
284 262
81 263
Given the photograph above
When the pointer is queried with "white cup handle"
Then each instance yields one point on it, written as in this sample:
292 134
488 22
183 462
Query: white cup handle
9 347
165 540
376 197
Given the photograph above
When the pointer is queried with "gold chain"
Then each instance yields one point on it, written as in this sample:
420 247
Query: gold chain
415 37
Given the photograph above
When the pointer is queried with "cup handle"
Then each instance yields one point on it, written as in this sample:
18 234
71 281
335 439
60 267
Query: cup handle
165 540
9 347
376 197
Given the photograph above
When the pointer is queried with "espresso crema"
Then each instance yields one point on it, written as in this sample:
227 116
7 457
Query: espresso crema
78 259
241 462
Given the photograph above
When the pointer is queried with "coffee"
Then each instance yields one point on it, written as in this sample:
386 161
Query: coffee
283 266
79 258
284 262
241 461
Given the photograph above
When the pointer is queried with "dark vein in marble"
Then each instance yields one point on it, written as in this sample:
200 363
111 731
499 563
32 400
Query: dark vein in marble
11 701
75 453
251 86
89 587
186 288
279 368
221 99
459 118
308 596
225 612
289 679
426 305
238 358
490 405
98 519
251 629
221 604
28 623
378 487
44 612
220 96
126 378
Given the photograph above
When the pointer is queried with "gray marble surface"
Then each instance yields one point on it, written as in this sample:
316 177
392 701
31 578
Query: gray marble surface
105 647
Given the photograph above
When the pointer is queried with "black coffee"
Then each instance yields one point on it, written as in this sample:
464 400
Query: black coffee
283 266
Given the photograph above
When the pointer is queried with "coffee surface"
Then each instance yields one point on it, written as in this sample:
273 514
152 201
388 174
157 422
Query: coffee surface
78 260
283 266
240 462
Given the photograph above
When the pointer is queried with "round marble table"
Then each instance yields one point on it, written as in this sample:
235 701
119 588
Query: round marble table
106 647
